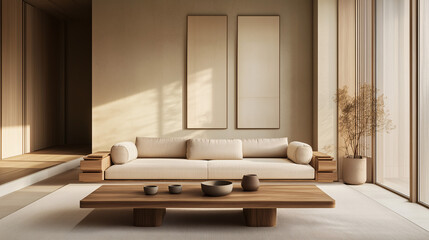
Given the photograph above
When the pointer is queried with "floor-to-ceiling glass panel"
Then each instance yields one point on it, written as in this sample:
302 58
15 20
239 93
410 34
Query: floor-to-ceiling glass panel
393 80
423 111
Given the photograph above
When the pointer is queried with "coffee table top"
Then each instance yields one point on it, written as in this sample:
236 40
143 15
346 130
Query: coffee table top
268 196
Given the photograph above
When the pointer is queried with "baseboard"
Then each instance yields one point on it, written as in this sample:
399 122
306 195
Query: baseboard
31 179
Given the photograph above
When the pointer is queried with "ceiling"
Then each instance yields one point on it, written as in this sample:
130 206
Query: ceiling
64 9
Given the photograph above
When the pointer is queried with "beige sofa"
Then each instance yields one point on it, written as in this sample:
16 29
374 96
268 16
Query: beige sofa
180 158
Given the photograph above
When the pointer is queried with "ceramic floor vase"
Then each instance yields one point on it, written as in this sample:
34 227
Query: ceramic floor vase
354 170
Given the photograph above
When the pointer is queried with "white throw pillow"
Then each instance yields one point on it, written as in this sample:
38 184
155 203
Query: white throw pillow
215 149
299 152
265 147
161 147
123 152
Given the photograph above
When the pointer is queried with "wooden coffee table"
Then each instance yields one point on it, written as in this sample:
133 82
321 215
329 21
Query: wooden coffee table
259 207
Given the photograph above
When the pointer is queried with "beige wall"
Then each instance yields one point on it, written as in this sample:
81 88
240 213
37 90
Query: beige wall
139 63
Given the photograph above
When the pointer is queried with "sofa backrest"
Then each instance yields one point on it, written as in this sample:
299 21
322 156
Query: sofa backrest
210 149
265 147
161 147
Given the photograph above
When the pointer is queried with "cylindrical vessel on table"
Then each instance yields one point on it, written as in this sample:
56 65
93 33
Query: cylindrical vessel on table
250 182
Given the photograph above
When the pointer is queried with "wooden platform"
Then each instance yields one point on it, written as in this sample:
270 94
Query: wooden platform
20 166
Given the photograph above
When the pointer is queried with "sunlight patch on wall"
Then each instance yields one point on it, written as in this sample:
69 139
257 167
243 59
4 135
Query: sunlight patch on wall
201 101
125 118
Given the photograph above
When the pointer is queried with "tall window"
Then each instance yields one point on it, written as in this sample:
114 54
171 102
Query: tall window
423 101
393 80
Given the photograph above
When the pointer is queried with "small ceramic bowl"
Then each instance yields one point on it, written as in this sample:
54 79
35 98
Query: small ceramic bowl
175 188
216 188
150 190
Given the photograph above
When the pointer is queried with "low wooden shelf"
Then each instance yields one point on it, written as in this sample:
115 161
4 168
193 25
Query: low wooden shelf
93 166
325 166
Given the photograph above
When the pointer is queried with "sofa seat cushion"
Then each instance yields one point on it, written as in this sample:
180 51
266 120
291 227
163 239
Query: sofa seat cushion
265 168
163 168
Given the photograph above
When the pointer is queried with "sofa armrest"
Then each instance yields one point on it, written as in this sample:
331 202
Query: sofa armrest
299 152
93 166
325 167
123 152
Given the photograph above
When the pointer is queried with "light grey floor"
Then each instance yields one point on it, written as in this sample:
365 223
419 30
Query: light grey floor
415 213
50 210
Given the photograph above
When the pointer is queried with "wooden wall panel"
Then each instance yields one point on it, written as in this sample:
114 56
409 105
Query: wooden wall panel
258 72
12 84
1 78
207 72
346 56
44 79
325 77
364 68
423 103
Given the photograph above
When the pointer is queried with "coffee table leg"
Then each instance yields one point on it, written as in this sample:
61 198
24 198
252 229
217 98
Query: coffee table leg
260 217
148 217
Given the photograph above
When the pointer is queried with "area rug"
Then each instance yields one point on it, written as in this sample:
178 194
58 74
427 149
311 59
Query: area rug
58 216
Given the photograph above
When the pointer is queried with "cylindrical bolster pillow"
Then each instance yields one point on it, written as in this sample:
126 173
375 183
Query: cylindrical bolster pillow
215 149
299 152
123 152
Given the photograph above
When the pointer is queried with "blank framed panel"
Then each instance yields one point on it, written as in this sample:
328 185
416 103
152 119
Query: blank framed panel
258 72
207 72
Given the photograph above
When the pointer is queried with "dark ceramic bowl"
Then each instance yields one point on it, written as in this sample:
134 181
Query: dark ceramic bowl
150 190
175 188
216 188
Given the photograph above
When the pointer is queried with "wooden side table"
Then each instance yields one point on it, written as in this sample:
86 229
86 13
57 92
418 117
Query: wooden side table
93 166
325 166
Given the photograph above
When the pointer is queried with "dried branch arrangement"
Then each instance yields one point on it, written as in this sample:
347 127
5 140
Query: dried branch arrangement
361 115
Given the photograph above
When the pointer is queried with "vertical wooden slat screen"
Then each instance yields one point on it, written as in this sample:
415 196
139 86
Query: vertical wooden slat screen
12 81
364 70
346 57
43 79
